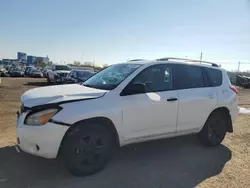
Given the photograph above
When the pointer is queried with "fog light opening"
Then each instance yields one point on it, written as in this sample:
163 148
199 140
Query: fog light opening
18 141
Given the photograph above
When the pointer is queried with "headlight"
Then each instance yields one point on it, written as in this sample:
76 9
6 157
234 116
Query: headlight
40 118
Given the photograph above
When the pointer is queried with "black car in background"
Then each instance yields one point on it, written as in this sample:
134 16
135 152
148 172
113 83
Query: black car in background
78 76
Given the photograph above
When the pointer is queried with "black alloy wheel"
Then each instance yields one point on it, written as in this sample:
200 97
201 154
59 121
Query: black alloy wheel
87 150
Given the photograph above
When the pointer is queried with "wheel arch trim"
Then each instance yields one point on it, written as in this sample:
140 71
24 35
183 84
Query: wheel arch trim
100 120
225 110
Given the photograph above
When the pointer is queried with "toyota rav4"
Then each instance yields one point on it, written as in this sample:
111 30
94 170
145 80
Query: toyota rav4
126 103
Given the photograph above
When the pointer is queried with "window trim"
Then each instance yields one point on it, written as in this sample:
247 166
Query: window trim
172 66
202 74
206 77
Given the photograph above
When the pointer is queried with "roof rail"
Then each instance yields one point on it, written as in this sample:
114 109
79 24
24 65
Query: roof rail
188 60
137 60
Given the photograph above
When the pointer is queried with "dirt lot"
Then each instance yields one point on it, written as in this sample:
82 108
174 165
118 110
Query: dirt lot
177 162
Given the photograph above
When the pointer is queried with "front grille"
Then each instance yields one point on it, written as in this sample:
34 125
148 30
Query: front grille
63 74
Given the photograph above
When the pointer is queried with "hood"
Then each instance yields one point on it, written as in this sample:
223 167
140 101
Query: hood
62 71
60 93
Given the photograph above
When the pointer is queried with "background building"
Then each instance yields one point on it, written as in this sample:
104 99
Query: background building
43 59
21 57
31 60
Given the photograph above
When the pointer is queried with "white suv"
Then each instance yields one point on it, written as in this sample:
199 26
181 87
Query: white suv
126 103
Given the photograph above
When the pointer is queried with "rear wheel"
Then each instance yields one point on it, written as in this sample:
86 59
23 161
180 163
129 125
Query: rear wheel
214 130
87 149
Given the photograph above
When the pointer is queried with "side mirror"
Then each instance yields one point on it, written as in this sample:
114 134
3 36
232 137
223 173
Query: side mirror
132 89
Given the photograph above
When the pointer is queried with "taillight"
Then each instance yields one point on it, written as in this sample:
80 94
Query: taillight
235 90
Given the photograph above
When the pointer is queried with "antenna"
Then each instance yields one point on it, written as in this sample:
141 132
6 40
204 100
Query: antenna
82 58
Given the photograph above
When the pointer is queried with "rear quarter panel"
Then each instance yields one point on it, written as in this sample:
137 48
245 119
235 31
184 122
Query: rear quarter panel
227 97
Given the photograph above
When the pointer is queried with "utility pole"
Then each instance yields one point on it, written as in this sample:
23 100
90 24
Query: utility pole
201 58
82 58
238 67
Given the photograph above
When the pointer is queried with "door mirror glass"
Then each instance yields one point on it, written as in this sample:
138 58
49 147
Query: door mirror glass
132 89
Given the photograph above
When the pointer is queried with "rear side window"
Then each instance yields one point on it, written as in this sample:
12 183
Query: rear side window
195 77
214 77
187 76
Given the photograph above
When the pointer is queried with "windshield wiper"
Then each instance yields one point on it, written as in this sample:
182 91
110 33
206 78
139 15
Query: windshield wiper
87 85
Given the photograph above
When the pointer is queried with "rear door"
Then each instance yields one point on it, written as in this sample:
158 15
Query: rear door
196 98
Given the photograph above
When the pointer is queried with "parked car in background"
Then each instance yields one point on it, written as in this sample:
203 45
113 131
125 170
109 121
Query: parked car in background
85 68
36 73
45 72
10 69
123 104
78 76
58 73
3 72
17 72
29 70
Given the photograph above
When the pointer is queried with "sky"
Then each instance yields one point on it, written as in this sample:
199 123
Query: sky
113 31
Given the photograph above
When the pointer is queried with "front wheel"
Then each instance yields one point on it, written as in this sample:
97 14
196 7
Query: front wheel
87 149
214 130
48 80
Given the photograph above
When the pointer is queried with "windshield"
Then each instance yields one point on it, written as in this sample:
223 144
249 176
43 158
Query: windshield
17 69
62 67
111 77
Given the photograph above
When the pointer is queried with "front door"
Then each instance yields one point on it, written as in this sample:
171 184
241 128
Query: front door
154 112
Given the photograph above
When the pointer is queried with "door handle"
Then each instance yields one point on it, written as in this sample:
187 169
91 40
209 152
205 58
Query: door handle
172 99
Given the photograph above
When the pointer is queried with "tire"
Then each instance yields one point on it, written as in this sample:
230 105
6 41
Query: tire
48 80
214 130
86 150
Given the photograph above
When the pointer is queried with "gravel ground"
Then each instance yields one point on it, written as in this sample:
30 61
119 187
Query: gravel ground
176 162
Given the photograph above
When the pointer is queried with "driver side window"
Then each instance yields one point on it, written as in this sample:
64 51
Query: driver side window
155 78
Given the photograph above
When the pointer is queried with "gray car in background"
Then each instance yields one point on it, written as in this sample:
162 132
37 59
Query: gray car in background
78 76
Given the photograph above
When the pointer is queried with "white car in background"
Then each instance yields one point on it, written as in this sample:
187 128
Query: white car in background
58 73
126 103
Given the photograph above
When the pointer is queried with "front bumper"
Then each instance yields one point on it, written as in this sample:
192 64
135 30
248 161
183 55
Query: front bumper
43 141
38 75
60 80
17 74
